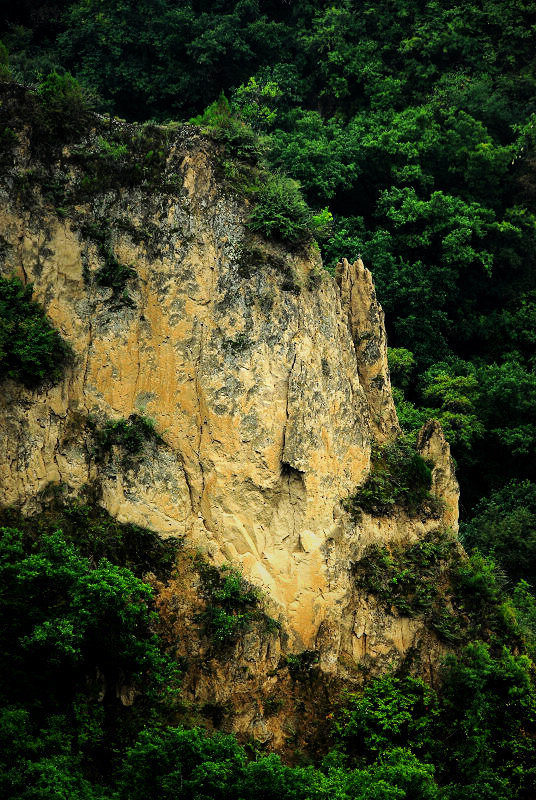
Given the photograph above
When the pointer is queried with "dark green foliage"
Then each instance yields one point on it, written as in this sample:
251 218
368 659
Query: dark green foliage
58 111
232 603
238 138
8 138
76 632
124 156
63 97
487 725
417 580
129 435
183 764
180 764
458 598
401 366
478 748
75 628
112 273
115 276
390 712
5 72
487 413
301 664
96 534
31 349
398 477
280 211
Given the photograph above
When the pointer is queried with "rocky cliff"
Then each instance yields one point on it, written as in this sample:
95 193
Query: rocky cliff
267 380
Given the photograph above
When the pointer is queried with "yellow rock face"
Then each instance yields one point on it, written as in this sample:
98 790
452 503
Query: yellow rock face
266 380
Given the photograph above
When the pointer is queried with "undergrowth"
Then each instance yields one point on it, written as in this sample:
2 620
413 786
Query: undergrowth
96 534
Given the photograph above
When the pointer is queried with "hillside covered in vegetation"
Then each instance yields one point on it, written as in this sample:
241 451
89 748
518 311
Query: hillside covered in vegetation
402 133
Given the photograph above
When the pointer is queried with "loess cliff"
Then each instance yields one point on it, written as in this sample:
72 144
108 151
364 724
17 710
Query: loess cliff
268 383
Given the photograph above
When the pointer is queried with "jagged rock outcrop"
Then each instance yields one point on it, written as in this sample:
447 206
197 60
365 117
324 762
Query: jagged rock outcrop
433 447
266 379
367 327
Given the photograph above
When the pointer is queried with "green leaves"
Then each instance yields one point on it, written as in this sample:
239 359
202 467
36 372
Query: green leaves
504 526
232 604
398 477
31 350
76 632
281 212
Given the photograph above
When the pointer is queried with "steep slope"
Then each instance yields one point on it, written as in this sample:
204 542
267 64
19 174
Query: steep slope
266 378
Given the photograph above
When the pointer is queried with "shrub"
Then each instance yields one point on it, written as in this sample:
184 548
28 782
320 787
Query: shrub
238 138
62 112
322 224
398 477
415 580
128 434
281 212
401 366
389 712
457 597
301 664
232 603
75 631
115 276
31 349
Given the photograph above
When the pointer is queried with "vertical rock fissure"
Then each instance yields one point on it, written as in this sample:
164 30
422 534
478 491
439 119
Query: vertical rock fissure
287 413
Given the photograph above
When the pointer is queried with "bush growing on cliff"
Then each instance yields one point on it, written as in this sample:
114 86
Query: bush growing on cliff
281 212
129 435
415 580
458 598
398 476
60 110
232 603
31 349
239 139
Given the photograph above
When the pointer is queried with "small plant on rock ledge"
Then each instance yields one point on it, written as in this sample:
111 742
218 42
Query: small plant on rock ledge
112 274
301 664
129 435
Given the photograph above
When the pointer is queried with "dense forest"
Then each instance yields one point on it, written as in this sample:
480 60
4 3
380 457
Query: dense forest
410 128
